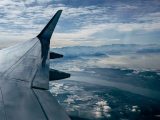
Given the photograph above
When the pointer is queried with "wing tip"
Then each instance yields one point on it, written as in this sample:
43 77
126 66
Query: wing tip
47 31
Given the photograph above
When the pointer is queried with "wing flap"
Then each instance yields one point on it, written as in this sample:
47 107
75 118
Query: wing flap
41 79
51 106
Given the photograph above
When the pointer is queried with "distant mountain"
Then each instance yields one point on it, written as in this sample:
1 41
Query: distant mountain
149 50
105 50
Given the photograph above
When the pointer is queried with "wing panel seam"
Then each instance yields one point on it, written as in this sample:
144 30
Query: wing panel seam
19 59
5 114
11 67
40 105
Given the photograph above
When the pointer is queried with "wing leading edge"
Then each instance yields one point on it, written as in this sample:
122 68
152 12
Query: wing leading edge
24 80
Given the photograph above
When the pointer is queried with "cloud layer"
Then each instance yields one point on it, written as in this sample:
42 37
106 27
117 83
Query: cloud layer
82 22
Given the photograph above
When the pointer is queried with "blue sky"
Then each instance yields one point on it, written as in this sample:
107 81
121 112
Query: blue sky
83 22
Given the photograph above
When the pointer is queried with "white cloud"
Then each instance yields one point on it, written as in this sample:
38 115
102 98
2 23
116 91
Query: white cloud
138 26
85 34
28 17
150 17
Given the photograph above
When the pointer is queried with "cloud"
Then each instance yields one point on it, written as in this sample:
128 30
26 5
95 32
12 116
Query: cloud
86 33
150 17
76 98
79 21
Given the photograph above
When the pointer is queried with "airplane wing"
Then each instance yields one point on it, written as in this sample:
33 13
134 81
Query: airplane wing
24 80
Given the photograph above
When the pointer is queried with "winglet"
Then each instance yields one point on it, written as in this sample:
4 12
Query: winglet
46 33
45 36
